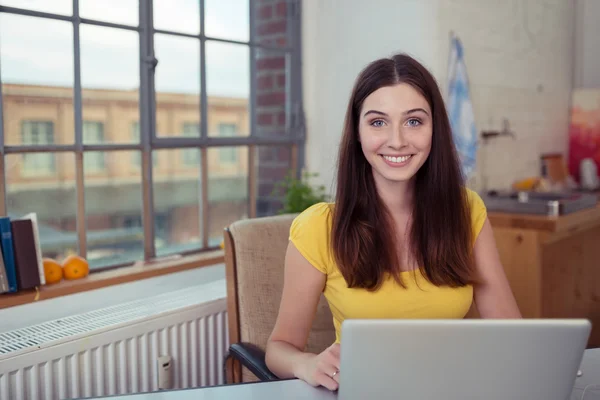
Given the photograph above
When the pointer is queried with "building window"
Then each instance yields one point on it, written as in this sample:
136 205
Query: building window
93 133
38 133
225 68
137 156
191 157
227 155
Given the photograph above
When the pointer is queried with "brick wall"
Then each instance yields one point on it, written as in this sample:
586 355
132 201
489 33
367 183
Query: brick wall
273 162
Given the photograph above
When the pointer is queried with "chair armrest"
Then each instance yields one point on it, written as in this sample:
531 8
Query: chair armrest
252 358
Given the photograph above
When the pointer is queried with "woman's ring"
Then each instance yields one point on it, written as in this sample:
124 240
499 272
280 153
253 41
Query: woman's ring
335 373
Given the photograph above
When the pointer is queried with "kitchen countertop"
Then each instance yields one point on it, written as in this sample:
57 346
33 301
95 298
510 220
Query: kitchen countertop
570 222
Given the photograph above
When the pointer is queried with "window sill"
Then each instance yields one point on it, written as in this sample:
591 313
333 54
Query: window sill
113 277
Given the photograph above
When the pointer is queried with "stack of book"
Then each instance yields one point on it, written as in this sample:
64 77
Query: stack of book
21 265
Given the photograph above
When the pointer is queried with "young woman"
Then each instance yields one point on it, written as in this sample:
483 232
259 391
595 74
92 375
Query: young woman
404 238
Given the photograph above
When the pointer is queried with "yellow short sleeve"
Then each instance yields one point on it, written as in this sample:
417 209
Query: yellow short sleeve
310 233
478 212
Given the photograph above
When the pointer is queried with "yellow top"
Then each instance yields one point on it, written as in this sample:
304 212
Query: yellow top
310 233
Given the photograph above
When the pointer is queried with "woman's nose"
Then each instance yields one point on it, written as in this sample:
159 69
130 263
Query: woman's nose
397 138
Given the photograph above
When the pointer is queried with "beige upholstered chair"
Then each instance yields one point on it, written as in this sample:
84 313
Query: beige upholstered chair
254 256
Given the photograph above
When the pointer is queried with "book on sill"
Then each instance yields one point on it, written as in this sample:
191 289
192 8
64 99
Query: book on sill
36 242
26 250
7 250
3 278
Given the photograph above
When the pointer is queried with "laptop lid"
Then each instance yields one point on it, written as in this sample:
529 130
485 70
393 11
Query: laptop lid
461 359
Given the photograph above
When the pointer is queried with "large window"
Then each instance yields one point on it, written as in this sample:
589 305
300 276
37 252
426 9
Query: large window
148 127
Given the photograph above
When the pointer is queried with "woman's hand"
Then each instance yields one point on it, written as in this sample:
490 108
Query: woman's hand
322 369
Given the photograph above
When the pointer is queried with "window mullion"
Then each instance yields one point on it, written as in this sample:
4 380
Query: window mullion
77 104
147 123
203 94
204 210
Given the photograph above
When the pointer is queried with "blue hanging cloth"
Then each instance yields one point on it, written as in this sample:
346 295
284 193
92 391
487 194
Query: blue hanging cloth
460 109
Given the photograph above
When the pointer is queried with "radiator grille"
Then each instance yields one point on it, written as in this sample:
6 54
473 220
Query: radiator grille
106 318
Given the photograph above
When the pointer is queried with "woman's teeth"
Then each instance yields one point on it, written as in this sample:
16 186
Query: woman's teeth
397 159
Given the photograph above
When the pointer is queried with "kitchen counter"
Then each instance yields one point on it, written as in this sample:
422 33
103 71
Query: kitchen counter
553 264
575 221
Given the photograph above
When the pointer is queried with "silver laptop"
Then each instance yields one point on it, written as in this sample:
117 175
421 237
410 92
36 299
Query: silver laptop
529 359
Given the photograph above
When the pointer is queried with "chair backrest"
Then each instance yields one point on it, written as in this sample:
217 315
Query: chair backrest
254 255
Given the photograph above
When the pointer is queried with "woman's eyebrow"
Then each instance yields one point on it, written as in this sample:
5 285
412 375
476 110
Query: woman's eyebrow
414 110
411 111
374 112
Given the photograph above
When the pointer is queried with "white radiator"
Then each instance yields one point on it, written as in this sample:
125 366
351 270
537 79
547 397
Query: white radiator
114 350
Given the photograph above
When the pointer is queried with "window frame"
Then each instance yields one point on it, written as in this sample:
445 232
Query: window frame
294 135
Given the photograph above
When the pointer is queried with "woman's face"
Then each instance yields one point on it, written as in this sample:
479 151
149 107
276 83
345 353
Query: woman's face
395 131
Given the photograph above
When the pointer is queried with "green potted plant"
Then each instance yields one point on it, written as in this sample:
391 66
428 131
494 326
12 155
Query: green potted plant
298 194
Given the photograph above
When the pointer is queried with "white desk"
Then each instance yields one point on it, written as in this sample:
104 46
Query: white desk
590 367
299 390
288 389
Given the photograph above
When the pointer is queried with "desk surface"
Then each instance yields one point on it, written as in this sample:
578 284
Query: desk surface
590 367
299 390
288 389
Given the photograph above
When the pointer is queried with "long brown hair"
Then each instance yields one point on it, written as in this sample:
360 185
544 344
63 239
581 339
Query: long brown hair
363 236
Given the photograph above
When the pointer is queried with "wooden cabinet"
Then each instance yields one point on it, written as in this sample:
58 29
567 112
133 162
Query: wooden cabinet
553 264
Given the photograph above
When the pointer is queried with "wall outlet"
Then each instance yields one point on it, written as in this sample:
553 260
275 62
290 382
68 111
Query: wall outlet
164 372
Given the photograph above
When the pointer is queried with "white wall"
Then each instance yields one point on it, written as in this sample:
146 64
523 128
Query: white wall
519 56
587 56
339 38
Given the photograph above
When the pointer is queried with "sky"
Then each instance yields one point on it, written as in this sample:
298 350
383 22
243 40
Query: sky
40 51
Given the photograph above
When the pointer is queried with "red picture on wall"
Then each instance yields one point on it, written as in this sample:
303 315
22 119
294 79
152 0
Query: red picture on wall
584 131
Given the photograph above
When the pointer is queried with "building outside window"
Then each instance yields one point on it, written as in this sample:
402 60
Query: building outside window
215 65
191 156
93 133
137 156
227 155
38 133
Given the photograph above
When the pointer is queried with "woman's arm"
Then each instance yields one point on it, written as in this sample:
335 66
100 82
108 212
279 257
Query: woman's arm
493 295
302 289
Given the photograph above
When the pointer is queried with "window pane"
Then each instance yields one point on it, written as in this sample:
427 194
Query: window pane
177 83
178 202
51 196
124 12
271 97
272 23
273 165
63 7
227 19
177 15
37 76
227 86
227 189
110 80
113 207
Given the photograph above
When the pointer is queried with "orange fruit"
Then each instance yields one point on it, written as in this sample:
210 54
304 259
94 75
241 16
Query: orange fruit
53 271
75 267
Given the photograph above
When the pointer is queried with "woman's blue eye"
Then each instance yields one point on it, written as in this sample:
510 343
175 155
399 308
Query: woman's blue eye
414 122
377 123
